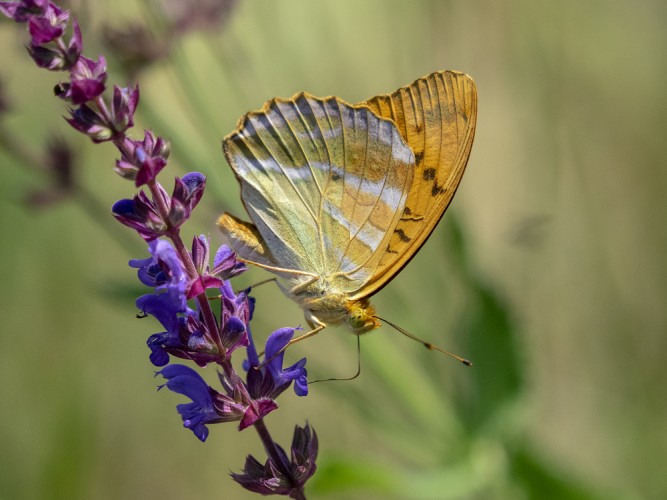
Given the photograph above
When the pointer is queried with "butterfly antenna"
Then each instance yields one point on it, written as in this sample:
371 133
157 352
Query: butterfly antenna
348 378
428 345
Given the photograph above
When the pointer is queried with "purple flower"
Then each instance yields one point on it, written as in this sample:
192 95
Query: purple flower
123 106
89 122
142 215
270 479
61 57
87 80
186 336
143 160
210 406
235 312
187 192
271 379
167 313
48 26
200 256
23 10
164 271
225 266
196 415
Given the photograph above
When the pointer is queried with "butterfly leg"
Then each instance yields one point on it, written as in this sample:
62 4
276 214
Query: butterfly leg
316 327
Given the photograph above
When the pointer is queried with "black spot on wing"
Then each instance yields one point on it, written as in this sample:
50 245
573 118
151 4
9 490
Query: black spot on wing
419 158
428 174
401 234
436 190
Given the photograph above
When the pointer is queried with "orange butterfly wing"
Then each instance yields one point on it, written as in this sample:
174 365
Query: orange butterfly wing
436 115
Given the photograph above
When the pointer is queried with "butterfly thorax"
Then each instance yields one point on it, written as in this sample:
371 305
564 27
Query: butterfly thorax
323 306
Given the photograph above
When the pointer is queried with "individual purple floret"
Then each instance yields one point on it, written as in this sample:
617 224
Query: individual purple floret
87 80
184 380
225 266
270 379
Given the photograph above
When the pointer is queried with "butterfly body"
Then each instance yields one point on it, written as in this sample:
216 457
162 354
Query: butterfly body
342 196
323 306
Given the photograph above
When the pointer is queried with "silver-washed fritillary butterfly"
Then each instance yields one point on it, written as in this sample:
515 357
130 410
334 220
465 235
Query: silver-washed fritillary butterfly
342 196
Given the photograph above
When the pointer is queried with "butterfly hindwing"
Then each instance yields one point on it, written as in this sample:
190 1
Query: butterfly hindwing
436 115
325 184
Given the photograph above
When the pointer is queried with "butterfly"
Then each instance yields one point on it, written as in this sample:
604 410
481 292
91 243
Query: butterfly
342 196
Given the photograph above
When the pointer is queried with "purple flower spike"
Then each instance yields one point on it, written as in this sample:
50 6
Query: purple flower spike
196 415
23 10
268 479
88 80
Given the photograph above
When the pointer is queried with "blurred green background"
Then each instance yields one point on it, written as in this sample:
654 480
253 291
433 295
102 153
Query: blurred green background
548 271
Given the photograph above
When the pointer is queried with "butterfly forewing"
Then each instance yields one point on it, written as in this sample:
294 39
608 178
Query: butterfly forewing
436 115
325 184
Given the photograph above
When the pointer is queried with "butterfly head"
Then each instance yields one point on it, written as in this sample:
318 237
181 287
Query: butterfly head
361 317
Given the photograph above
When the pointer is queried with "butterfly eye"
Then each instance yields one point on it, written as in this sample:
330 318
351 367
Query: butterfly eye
361 318
356 321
